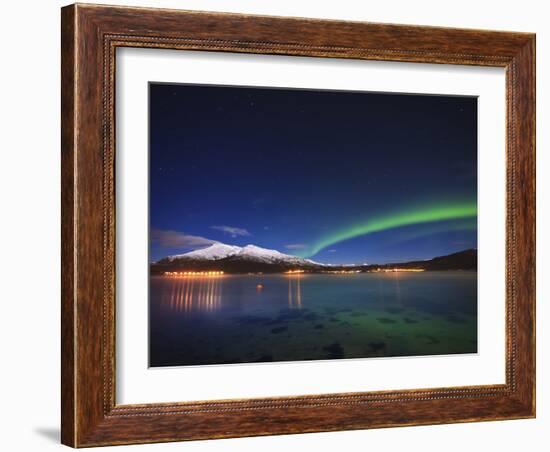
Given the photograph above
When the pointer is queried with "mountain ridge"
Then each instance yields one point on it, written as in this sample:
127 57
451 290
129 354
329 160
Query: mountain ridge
218 251
254 259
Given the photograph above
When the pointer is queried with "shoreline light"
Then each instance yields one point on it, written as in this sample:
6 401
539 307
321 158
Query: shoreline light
395 270
194 273
217 273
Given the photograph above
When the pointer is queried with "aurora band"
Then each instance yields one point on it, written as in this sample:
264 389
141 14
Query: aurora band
418 216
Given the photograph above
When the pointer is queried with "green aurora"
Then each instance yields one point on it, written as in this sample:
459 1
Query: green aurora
430 214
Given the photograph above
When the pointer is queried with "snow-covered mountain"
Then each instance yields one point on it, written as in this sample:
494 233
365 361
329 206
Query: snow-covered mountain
248 253
213 252
253 259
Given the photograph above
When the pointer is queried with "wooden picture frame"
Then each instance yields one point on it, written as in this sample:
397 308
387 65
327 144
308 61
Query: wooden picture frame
90 36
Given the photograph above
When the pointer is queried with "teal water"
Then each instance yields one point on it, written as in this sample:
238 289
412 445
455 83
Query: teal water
262 318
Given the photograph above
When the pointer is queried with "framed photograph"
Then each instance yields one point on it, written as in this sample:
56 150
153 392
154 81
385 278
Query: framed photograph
278 225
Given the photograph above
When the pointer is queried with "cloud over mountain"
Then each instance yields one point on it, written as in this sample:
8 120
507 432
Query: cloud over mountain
296 246
232 231
175 239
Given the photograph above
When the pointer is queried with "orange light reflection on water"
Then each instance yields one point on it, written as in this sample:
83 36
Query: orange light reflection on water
295 292
203 292
197 293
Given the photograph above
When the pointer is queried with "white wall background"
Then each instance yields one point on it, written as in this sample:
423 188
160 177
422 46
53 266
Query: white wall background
29 190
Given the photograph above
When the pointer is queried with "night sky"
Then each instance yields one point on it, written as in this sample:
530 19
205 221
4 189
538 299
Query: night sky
339 177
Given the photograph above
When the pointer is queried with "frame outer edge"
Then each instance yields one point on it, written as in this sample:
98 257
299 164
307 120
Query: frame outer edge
86 418
68 242
534 226
525 62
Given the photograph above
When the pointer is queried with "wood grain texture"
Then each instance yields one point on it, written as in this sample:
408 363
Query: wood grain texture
90 36
68 244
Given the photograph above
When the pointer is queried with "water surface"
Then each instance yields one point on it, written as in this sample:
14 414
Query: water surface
262 318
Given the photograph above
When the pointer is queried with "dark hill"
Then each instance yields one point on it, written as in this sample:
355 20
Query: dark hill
463 260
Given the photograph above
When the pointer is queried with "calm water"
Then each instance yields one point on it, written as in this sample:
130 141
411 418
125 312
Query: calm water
230 319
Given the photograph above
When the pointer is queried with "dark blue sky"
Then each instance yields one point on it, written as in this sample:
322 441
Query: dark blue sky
292 169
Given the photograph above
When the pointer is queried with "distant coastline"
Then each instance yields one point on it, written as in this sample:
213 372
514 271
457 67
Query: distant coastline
274 262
